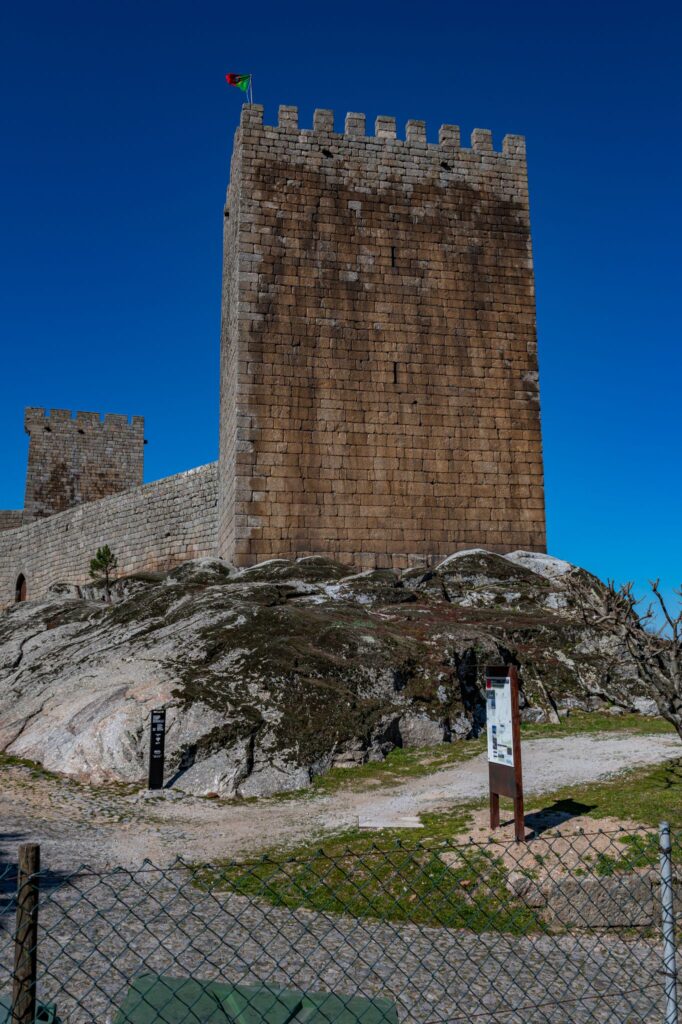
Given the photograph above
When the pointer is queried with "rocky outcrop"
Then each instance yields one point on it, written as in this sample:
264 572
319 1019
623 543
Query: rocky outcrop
275 673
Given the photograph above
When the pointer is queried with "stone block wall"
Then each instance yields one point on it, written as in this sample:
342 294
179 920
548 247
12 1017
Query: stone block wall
228 487
72 460
11 518
153 527
379 385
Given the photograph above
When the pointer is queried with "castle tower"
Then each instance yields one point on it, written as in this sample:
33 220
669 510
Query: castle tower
75 460
379 386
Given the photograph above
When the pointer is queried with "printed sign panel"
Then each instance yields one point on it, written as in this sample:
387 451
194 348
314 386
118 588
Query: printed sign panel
499 720
156 749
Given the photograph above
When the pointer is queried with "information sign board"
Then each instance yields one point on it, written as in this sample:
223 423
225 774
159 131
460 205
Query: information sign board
504 744
157 743
499 720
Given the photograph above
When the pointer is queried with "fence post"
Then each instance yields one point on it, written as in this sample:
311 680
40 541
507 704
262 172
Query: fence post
668 925
26 937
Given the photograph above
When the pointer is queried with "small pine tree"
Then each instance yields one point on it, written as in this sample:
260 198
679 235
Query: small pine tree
102 567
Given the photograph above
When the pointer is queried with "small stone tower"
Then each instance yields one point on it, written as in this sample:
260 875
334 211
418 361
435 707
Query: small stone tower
379 385
75 460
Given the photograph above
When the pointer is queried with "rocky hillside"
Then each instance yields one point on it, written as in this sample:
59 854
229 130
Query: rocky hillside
274 673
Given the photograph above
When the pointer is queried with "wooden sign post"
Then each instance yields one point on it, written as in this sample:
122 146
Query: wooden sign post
504 744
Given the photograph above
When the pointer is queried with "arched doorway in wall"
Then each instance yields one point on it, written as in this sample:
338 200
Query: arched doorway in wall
20 588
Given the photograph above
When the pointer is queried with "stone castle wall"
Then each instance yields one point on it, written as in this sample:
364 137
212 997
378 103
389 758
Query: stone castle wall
379 387
152 527
230 489
11 518
73 460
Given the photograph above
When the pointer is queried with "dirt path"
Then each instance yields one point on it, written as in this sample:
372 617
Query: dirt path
76 824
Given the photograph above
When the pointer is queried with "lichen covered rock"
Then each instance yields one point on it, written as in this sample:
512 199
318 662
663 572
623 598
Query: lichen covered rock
275 673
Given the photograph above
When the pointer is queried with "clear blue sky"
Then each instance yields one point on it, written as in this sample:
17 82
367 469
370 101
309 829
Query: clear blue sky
117 129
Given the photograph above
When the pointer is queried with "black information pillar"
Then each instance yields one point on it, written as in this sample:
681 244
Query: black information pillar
157 743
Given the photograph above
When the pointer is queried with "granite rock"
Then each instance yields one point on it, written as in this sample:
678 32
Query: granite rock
272 674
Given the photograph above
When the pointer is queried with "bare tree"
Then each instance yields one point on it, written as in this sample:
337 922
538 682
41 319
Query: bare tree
657 653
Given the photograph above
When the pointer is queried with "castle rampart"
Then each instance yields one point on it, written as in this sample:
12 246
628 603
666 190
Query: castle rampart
152 527
77 459
379 387
379 384
11 518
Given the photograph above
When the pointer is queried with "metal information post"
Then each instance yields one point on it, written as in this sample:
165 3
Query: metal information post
504 744
157 742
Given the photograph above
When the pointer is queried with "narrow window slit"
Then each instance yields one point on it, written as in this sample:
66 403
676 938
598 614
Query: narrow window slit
392 255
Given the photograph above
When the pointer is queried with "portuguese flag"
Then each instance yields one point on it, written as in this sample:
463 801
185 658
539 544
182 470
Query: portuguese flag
241 81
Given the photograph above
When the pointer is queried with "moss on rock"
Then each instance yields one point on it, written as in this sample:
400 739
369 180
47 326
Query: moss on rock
301 664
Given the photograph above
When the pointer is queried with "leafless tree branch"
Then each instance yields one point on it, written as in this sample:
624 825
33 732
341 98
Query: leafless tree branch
657 654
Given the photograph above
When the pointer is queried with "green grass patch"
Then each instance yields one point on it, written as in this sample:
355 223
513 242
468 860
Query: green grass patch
646 796
427 877
595 722
641 850
439 885
38 771
34 767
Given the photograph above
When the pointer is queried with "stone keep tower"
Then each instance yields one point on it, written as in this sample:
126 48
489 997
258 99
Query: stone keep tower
71 461
379 384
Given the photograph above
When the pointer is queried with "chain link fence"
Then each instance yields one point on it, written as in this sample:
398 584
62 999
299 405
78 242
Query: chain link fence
561 928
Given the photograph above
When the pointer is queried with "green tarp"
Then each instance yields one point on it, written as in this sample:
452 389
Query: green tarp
45 1012
157 999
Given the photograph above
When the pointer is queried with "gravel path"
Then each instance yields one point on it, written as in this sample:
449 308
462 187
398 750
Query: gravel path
76 824
99 930
547 765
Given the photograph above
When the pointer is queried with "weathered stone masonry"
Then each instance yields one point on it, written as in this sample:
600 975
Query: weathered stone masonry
379 389
72 460
155 526
11 518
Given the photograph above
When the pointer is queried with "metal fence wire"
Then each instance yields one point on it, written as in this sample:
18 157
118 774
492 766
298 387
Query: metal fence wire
562 928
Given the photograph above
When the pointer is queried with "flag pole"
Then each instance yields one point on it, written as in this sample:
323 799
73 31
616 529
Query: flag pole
251 87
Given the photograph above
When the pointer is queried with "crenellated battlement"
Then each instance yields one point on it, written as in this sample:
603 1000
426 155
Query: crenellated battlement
379 386
379 375
385 129
36 418
78 457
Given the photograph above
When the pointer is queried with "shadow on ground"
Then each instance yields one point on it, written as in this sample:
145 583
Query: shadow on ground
558 813
9 871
